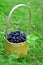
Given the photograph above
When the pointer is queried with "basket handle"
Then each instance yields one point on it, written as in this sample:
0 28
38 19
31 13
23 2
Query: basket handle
9 16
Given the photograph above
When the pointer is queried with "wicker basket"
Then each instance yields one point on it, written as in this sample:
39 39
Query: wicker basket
20 48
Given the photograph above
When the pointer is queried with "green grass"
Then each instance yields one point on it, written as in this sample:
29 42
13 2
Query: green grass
35 39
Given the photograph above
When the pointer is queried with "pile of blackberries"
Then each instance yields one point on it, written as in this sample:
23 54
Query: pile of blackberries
16 37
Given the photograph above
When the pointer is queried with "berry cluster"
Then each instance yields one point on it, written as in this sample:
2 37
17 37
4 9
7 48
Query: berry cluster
16 37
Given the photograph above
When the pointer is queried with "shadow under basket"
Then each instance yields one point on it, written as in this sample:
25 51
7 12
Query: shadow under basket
20 48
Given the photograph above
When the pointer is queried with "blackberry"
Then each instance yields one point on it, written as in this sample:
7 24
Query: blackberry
16 37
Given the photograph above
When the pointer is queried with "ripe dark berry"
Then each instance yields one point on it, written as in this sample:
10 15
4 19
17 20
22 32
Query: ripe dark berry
23 35
17 32
16 37
9 39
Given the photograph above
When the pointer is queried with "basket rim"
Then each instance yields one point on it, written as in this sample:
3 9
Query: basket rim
14 43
